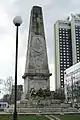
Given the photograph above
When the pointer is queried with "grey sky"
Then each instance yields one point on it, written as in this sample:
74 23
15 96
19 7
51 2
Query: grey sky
52 11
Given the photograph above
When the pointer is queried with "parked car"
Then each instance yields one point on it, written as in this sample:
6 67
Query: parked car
3 105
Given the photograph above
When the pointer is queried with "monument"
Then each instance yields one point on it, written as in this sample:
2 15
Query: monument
36 69
37 73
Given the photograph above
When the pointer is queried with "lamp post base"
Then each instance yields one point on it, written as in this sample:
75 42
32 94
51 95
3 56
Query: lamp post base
15 116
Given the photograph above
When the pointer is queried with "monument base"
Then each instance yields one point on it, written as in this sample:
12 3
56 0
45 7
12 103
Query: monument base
41 106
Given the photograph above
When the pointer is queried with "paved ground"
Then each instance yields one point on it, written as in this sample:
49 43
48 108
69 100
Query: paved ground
37 113
49 117
52 117
55 118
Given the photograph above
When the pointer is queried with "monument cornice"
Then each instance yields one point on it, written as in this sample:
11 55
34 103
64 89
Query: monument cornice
36 74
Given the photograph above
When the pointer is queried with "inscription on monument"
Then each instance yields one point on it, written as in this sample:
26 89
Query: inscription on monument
37 43
39 84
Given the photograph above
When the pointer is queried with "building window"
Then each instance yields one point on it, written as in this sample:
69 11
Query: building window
67 53
64 56
64 51
67 65
77 43
78 55
60 45
63 42
67 56
60 36
61 74
77 60
67 45
64 45
67 59
76 34
77 52
63 34
63 37
64 59
60 48
77 48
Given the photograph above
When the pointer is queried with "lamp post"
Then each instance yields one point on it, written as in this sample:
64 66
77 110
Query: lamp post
17 22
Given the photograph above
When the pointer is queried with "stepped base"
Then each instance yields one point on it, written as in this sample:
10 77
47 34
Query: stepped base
41 110
43 106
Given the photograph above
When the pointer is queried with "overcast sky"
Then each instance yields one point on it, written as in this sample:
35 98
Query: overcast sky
52 11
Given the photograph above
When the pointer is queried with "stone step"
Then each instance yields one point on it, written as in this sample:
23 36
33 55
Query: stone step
40 110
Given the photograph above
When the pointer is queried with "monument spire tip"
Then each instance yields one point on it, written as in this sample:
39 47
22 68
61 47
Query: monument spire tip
36 6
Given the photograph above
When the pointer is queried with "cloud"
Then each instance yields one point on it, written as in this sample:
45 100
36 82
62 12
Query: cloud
7 56
23 40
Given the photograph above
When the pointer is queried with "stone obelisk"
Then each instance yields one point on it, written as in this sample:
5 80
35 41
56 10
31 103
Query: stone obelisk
36 69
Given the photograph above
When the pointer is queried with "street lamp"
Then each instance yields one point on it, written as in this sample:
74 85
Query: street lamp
17 22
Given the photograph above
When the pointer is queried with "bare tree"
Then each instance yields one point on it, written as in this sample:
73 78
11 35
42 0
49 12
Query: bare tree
8 85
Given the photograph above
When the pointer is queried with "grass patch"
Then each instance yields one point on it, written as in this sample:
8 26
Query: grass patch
24 117
5 117
69 117
32 117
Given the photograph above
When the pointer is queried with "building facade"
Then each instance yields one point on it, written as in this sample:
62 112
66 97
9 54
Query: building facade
19 93
75 34
72 82
67 46
63 51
